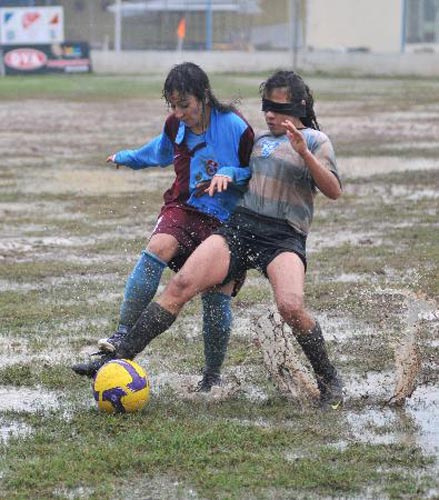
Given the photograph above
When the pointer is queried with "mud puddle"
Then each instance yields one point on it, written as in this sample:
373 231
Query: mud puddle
416 423
28 400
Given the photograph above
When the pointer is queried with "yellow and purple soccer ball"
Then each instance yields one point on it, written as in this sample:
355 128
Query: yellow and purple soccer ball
121 386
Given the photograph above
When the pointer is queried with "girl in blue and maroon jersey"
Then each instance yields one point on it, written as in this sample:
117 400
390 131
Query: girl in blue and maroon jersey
209 144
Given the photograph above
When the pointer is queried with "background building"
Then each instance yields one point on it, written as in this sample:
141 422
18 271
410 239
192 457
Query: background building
378 26
381 26
367 25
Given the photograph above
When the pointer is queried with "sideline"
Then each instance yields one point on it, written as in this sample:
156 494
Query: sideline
145 62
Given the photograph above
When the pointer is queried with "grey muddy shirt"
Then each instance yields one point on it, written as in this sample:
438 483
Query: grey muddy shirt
281 186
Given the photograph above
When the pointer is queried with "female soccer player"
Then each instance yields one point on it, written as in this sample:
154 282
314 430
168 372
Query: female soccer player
291 162
209 144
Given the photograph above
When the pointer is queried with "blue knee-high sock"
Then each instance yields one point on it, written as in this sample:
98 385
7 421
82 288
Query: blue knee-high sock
140 288
217 323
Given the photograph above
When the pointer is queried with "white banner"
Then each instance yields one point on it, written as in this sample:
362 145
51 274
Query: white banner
31 25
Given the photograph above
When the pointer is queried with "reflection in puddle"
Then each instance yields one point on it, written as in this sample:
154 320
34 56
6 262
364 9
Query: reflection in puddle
417 423
375 385
364 426
28 400
423 408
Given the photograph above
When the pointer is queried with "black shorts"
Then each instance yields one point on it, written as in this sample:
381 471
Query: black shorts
254 241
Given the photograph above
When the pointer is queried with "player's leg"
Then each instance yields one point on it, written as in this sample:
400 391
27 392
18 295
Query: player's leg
286 273
168 245
197 275
206 268
142 284
145 278
217 311
217 325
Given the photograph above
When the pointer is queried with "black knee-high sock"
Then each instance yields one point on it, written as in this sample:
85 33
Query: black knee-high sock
217 322
313 345
153 321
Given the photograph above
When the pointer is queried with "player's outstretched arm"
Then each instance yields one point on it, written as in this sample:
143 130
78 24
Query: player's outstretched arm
156 153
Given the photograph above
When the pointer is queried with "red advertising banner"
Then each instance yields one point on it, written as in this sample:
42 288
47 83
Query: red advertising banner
66 57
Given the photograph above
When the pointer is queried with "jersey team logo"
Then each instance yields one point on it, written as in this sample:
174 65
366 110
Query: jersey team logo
267 147
211 167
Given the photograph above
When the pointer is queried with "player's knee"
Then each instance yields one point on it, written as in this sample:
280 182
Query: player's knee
291 309
162 246
180 288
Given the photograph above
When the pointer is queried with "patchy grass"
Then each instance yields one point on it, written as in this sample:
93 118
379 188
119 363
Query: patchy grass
78 87
217 455
34 374
65 256
93 87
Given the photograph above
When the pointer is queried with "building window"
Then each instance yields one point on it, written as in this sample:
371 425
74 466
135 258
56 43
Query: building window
423 21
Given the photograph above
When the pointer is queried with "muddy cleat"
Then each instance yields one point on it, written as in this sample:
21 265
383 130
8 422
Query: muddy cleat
111 344
331 393
90 368
208 381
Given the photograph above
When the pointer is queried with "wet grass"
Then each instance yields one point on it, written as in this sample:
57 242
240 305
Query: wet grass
34 374
78 87
373 92
214 453
92 87
31 273
57 297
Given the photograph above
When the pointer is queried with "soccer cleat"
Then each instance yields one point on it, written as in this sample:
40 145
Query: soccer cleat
208 381
111 344
90 368
331 393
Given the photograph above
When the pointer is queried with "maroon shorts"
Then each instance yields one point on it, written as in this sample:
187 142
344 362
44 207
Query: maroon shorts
188 226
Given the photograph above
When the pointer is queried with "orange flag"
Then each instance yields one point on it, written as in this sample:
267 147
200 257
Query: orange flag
181 28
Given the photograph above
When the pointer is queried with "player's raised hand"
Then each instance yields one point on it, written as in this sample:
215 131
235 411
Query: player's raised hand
296 138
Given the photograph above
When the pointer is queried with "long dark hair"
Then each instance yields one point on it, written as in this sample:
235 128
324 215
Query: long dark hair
297 90
189 79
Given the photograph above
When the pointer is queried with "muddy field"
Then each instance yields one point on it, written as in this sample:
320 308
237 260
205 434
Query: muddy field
71 229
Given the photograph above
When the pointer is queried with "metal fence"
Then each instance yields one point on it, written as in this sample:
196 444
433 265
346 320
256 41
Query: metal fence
153 24
211 24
